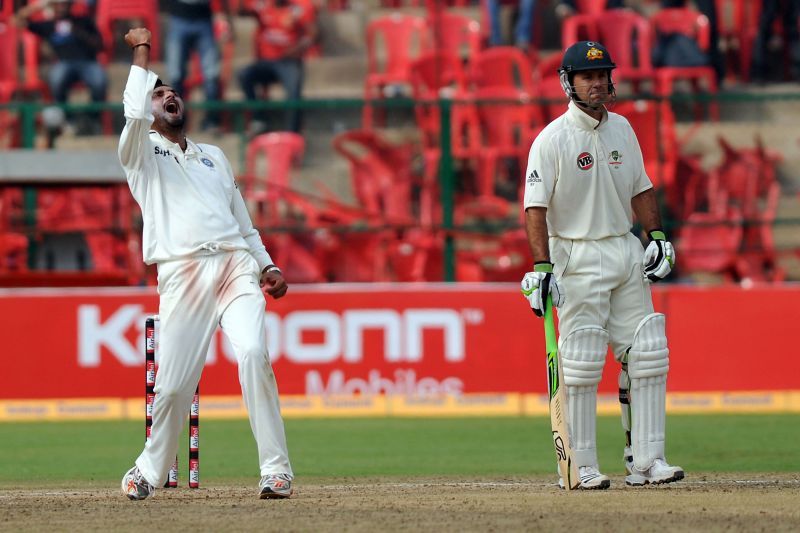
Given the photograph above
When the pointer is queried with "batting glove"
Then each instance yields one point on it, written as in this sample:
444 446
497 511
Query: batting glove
659 257
538 284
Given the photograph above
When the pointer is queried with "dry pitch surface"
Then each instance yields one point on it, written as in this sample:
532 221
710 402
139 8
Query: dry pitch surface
757 502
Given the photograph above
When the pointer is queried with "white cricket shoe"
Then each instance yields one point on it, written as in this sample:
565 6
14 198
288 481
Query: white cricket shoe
275 486
135 486
591 479
659 472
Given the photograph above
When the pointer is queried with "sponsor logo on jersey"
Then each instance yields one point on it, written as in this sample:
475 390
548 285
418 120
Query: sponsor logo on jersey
162 152
615 158
533 177
207 162
585 161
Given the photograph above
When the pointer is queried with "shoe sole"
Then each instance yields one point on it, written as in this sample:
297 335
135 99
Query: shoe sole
274 495
602 486
606 483
675 477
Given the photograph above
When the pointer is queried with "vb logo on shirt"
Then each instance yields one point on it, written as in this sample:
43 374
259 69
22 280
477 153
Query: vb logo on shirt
585 161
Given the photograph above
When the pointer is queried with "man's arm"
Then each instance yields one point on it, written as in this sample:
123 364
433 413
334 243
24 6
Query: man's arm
538 237
134 146
645 207
20 18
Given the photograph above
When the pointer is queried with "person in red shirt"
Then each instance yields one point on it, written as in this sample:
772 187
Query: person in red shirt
286 30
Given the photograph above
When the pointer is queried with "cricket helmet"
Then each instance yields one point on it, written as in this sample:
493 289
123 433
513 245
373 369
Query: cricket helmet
584 55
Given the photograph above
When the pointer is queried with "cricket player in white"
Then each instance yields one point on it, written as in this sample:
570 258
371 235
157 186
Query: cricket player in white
212 266
585 180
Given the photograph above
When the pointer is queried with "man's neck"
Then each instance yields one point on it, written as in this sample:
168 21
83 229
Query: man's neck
175 135
595 113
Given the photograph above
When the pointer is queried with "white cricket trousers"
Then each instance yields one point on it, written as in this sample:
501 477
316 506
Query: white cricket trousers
196 295
604 286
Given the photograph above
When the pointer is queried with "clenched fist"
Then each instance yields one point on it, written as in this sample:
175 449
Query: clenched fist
137 36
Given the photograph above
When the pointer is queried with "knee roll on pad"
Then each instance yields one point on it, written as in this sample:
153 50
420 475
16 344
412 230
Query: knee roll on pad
648 363
583 354
649 355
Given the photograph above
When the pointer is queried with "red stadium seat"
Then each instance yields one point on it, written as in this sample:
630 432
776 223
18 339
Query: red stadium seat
503 66
626 34
433 75
695 25
276 204
393 42
710 243
109 11
455 33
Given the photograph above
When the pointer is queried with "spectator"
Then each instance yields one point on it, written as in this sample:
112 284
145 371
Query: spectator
770 9
75 42
286 30
523 29
709 9
191 27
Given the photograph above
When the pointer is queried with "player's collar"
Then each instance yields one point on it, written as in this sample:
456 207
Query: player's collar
582 119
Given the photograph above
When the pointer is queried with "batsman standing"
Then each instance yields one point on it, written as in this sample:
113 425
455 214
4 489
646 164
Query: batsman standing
212 268
585 180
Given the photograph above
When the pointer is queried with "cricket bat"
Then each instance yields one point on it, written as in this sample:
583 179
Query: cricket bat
559 413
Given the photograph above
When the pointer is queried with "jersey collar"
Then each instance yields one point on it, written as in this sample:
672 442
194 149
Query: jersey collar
582 119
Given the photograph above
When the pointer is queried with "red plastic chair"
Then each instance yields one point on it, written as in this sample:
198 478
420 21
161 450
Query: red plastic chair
435 75
654 125
393 42
591 7
757 260
104 215
503 66
109 11
695 25
738 28
457 34
9 70
380 175
710 243
13 244
509 122
269 160
626 34
270 189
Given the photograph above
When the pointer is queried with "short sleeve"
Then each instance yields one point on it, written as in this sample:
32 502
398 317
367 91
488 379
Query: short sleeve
540 176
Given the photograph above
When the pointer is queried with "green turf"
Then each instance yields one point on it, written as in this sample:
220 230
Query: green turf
98 453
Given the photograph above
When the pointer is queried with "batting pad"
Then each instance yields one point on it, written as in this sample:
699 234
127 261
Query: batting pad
648 363
583 355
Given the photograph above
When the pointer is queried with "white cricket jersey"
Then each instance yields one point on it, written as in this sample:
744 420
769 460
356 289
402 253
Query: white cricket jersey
585 173
190 202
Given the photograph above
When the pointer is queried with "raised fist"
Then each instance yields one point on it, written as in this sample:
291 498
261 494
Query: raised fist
137 36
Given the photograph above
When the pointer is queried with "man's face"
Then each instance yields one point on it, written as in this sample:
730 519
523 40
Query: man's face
591 87
167 107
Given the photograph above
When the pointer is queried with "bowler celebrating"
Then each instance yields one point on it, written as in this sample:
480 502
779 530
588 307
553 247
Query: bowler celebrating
211 265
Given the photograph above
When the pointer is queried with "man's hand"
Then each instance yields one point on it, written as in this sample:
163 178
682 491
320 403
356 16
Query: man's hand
273 283
659 257
138 36
538 284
